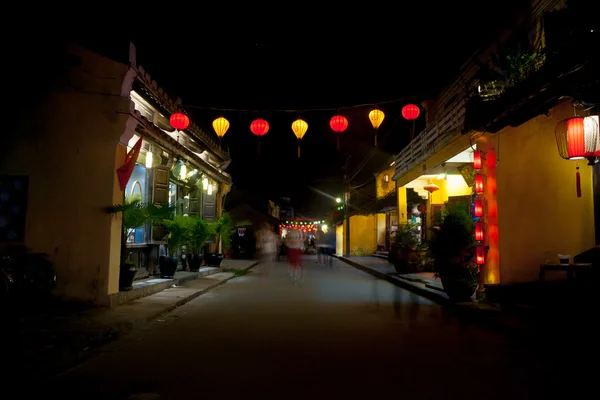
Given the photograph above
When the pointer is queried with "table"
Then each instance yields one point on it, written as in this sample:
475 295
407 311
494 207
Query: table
568 268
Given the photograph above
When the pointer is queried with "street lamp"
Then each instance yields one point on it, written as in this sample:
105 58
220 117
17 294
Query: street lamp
338 200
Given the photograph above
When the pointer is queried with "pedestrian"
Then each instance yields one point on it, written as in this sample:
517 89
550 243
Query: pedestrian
294 243
266 245
326 245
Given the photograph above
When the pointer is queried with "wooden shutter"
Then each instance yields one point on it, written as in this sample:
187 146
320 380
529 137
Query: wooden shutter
195 196
160 195
209 206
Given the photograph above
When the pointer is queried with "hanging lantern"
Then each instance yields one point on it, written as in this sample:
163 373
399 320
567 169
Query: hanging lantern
480 255
220 125
578 138
477 159
478 183
299 127
179 121
259 127
478 208
339 124
376 116
431 187
410 112
479 231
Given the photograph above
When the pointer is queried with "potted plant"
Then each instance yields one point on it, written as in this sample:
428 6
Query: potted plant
404 247
198 232
135 214
222 229
178 235
452 249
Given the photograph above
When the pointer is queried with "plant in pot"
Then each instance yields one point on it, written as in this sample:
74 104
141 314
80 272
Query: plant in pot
222 229
452 249
404 247
178 235
135 213
199 232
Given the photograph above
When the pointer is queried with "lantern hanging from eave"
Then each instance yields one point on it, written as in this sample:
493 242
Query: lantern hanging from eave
480 254
478 183
179 121
376 117
339 124
431 187
299 127
220 125
479 231
578 138
477 159
259 127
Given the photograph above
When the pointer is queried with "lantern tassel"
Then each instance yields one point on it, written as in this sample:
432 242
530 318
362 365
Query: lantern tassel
578 182
338 142
298 149
375 138
257 146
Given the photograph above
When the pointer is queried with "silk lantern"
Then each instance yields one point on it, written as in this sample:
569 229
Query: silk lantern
477 159
376 117
480 255
339 124
220 125
479 231
478 183
299 127
411 112
259 127
578 138
478 208
179 121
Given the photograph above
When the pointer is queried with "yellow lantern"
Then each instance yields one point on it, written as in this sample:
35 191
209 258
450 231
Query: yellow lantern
299 127
220 125
376 116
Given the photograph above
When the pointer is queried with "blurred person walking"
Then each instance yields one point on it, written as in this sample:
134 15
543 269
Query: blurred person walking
266 245
325 245
294 242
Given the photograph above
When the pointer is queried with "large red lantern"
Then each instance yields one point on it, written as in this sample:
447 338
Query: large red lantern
259 127
478 208
478 183
179 121
410 112
339 124
578 138
479 231
480 255
477 159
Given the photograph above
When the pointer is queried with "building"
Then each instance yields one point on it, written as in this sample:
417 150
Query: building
68 151
506 110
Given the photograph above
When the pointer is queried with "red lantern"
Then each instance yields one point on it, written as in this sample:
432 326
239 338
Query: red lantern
478 208
478 183
480 255
477 159
339 124
479 231
259 127
179 121
410 112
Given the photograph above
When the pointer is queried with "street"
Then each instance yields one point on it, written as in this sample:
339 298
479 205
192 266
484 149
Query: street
340 333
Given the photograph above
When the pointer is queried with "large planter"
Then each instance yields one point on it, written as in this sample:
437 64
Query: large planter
229 253
214 260
401 259
458 290
194 262
126 277
167 266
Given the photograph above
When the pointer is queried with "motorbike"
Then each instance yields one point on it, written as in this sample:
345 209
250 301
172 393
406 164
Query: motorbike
23 273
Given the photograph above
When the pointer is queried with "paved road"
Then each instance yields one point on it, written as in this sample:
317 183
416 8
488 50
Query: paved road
340 333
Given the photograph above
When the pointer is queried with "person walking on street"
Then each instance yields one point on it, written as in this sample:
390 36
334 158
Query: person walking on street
266 245
294 242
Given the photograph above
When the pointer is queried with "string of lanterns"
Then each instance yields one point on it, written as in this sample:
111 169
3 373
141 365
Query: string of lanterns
260 127
478 209
302 225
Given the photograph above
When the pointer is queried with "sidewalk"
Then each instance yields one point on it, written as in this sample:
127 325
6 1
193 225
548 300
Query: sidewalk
65 335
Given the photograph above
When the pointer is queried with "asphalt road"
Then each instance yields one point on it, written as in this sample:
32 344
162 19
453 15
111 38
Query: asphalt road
342 333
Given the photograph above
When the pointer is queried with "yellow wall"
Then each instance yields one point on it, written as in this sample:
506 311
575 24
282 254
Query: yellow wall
70 154
381 229
539 214
402 206
384 188
363 234
339 239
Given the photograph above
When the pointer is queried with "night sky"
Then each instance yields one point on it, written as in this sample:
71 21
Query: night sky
280 66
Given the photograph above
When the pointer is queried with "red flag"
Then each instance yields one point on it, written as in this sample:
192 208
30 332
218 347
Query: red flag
125 170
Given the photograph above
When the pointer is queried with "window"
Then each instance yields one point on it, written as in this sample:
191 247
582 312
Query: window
137 187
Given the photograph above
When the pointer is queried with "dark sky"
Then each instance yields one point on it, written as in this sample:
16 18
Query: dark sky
279 64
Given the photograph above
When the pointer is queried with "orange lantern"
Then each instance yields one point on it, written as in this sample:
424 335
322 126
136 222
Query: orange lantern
478 183
578 138
339 124
179 121
480 255
376 117
299 127
220 125
431 187
479 231
478 208
477 159
259 127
